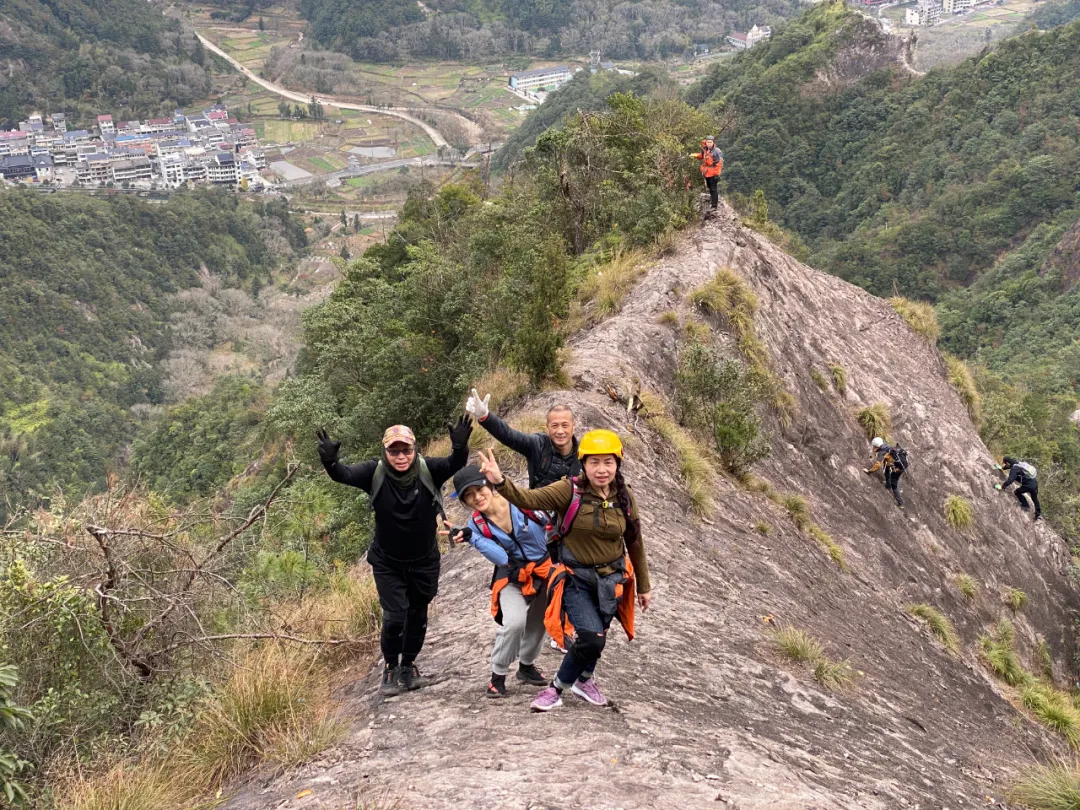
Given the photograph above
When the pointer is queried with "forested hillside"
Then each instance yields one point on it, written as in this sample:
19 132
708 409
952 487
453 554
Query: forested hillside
86 293
85 57
396 30
953 188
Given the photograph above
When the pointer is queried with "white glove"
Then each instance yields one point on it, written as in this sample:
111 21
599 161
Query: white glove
478 407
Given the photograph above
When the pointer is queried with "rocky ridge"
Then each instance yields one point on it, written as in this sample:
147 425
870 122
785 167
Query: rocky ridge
707 713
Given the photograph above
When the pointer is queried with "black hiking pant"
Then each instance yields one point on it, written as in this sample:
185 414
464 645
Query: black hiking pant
714 192
405 590
892 483
1030 488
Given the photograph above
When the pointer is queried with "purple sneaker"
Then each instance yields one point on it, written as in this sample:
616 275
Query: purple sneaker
588 690
547 700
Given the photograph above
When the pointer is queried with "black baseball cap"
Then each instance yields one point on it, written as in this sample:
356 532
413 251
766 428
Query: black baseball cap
469 476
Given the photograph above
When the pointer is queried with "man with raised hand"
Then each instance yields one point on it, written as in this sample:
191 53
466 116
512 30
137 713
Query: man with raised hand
405 493
551 455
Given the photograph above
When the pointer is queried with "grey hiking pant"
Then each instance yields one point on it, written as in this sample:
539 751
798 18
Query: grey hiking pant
521 633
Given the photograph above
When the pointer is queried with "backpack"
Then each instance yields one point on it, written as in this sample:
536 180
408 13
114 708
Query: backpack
379 478
901 459
1028 469
547 455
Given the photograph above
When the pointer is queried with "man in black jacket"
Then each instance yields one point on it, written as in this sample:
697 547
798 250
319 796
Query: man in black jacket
551 456
405 493
1022 474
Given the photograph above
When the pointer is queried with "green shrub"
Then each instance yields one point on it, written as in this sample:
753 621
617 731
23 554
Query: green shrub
920 317
967 586
959 513
716 396
1048 787
963 382
939 625
1015 598
1044 661
876 421
11 718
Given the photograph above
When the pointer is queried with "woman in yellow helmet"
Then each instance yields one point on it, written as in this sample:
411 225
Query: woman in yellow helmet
602 559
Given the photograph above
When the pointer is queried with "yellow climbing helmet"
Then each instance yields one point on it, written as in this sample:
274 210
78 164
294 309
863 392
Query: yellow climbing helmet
600 443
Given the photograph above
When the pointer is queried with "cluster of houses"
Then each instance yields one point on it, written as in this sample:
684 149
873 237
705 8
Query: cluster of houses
755 36
930 12
209 147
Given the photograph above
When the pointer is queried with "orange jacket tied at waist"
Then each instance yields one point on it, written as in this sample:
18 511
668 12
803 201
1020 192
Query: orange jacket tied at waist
531 577
619 583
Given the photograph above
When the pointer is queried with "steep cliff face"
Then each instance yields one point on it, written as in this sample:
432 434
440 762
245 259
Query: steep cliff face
707 713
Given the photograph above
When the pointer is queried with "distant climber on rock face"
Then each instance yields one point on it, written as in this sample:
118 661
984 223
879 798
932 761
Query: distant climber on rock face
712 164
891 461
515 540
551 455
601 560
404 489
1024 475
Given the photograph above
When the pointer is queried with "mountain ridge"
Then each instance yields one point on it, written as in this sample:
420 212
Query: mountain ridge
707 709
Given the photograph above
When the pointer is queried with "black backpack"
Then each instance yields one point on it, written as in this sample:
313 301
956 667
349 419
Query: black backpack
901 460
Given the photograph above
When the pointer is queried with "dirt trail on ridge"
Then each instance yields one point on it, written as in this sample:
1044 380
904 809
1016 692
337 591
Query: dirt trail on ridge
708 715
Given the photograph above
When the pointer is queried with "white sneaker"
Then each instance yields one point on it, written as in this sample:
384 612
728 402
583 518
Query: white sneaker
555 646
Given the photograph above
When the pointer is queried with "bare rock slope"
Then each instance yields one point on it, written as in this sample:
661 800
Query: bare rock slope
707 713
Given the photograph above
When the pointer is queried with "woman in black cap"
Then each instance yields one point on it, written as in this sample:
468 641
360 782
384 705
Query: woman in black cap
515 540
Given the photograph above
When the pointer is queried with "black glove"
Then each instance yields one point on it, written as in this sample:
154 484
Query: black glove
328 448
464 531
460 432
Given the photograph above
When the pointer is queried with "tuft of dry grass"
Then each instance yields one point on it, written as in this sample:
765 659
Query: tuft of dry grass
1048 787
832 548
961 379
1053 709
798 509
604 288
839 379
127 786
939 625
798 645
696 468
803 648
1015 598
959 513
669 318
819 380
920 316
276 694
876 420
967 586
999 653
1044 660
762 528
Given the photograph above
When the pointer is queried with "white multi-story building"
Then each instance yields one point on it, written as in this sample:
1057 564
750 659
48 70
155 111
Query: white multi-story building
544 77
755 35
131 170
926 12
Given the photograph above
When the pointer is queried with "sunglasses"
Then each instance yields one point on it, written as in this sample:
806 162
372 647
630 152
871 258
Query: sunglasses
400 451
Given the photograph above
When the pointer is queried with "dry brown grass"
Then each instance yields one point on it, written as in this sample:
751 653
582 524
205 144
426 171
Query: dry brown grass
604 288
920 316
696 467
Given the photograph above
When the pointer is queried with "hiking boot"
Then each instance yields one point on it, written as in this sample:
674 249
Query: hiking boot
1037 518
546 700
409 678
588 690
390 685
496 686
531 675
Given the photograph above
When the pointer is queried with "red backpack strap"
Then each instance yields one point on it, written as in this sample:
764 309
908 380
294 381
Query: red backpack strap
482 525
540 520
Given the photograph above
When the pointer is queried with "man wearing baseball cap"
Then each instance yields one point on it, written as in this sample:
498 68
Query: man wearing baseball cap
404 489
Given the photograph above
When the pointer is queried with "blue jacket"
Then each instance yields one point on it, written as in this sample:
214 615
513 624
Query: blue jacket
530 537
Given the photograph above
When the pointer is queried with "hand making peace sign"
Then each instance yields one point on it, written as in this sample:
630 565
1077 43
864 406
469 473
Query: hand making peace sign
490 467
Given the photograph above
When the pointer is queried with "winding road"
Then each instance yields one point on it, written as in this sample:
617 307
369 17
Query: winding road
328 100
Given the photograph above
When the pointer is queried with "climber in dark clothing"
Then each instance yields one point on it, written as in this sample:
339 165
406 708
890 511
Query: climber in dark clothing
1024 475
405 493
551 456
886 461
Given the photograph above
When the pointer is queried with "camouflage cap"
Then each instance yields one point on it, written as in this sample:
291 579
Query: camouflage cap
398 433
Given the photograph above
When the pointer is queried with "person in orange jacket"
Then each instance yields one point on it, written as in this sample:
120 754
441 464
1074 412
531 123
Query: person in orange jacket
712 164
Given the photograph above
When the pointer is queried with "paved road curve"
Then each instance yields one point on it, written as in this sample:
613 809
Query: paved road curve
326 100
